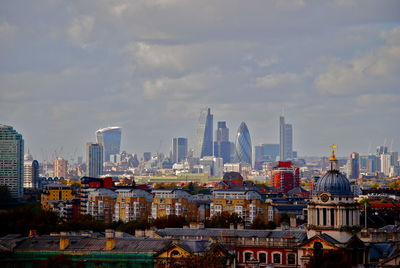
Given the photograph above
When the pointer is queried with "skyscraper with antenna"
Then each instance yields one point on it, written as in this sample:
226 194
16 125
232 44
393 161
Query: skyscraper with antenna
285 140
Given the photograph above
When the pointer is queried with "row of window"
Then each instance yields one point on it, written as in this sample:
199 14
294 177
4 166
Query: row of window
276 257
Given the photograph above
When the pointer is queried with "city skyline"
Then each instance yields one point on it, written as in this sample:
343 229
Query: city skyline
84 66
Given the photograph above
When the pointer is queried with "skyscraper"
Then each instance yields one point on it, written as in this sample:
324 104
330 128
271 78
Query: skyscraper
204 141
285 140
110 139
60 167
222 145
179 149
354 165
385 164
11 161
31 172
267 152
94 160
243 149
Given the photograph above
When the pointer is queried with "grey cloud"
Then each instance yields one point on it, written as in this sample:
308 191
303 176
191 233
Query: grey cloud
69 68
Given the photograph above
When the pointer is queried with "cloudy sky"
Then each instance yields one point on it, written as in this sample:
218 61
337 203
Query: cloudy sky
68 68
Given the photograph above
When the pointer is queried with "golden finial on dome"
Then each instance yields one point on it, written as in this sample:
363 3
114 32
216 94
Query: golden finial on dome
333 156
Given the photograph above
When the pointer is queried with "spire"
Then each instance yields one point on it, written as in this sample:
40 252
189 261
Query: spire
333 160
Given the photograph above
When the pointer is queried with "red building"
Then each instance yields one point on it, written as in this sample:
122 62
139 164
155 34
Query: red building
285 177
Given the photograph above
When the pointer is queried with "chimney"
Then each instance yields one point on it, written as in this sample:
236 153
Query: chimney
240 226
231 226
32 233
293 222
64 240
200 225
110 239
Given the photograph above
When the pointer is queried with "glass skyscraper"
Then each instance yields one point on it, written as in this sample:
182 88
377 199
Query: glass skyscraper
110 139
285 140
94 160
243 149
179 149
222 145
204 141
12 161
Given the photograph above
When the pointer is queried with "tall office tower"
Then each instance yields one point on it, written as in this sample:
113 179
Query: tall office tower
222 145
372 164
381 150
285 140
31 172
146 156
179 149
60 166
267 152
285 177
204 141
394 158
94 160
11 161
354 165
385 164
110 139
243 149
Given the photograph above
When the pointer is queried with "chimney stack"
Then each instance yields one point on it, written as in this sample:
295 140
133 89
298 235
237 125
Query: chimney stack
64 240
110 239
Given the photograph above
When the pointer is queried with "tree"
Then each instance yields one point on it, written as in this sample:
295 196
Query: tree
131 226
223 220
170 221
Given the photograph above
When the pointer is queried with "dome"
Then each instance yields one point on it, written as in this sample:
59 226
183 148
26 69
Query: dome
28 157
335 183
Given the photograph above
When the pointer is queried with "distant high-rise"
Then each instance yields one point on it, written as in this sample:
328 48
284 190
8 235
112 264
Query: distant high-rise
354 165
204 141
243 149
222 145
285 140
372 164
146 156
31 172
94 159
110 139
11 161
179 149
267 152
60 166
385 164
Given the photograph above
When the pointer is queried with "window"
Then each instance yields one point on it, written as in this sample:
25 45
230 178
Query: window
175 253
248 256
291 259
262 257
276 258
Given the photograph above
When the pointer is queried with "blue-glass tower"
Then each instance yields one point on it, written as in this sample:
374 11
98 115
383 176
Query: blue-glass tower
204 141
243 144
110 139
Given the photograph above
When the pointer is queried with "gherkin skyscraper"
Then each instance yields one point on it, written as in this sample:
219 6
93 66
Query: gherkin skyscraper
243 144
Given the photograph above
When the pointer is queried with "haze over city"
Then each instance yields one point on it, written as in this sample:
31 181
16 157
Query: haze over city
70 68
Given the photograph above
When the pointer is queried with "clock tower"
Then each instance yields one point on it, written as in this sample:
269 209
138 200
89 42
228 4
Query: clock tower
333 210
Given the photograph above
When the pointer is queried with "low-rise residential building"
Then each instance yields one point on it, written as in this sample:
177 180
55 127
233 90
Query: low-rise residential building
132 204
247 204
56 192
101 203
173 202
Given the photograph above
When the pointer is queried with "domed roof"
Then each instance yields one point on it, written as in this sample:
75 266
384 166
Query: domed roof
28 157
335 183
